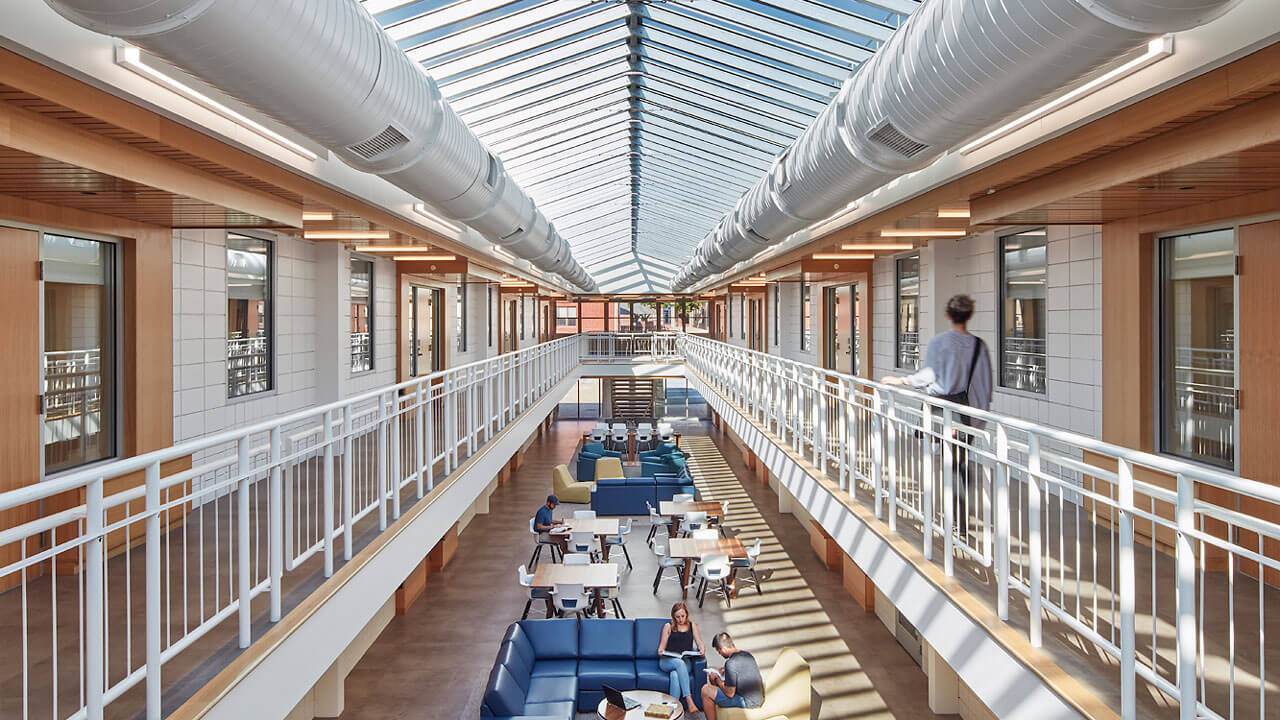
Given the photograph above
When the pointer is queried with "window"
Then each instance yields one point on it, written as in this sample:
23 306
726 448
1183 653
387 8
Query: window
1197 346
460 320
777 312
593 316
520 305
742 316
907 338
79 351
361 315
728 308
806 316
696 317
643 317
249 272
566 317
1023 283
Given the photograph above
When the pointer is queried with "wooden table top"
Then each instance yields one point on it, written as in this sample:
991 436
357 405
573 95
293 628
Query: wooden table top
595 526
690 548
672 508
595 575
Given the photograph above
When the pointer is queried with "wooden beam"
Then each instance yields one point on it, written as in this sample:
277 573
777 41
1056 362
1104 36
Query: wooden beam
1241 128
45 137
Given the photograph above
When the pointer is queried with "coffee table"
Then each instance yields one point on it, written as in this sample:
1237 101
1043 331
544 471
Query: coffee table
645 698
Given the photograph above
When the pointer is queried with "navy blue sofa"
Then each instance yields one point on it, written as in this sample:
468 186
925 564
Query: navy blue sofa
627 496
587 457
550 669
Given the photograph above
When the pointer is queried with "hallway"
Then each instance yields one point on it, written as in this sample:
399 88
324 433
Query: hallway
432 662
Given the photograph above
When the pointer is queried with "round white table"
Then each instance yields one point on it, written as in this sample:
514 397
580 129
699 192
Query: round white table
645 698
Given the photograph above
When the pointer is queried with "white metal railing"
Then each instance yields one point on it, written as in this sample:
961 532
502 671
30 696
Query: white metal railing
248 365
117 577
1126 549
598 346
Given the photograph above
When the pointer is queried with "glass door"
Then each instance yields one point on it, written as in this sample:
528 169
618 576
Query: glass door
842 346
422 330
78 344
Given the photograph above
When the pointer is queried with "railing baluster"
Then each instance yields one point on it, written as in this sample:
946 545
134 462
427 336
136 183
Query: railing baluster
242 542
275 524
419 426
381 472
95 589
1034 544
348 468
926 479
948 494
891 448
877 450
326 493
1186 605
1128 594
396 474
153 587
1002 521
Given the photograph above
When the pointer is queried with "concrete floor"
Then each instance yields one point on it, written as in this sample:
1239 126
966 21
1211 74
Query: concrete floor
434 661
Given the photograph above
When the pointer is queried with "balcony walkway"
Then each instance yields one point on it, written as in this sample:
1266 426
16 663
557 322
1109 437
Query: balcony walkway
433 662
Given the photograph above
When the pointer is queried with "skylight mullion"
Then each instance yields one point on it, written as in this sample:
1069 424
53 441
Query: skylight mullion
603 57
607 144
570 142
519 71
739 81
548 18
724 126
607 76
537 138
459 64
867 27
513 122
818 89
662 78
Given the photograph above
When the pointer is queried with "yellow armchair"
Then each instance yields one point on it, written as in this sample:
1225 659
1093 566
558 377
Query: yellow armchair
568 490
787 692
609 467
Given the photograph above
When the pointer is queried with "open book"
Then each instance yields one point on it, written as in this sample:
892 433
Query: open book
686 653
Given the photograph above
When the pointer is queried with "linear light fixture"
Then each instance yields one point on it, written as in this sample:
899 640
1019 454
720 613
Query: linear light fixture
317 216
347 235
1158 49
956 212
424 258
130 58
843 256
393 248
922 233
872 247
422 210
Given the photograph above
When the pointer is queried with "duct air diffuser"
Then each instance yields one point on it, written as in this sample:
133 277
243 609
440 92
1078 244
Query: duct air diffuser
891 137
385 142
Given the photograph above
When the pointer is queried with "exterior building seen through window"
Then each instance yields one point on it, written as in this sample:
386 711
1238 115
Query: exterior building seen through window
1198 346
806 316
361 315
249 273
907 333
1023 290
78 418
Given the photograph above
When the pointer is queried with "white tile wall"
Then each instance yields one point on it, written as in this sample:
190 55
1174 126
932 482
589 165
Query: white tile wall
384 328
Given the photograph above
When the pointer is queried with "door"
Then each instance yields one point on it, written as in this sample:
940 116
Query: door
510 316
755 319
841 324
421 330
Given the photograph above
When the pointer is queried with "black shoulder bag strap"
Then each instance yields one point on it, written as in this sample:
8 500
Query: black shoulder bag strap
962 395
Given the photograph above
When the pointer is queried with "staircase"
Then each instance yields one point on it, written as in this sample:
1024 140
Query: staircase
632 397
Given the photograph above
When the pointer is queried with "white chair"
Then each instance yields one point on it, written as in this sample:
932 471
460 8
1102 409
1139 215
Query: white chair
613 595
724 513
695 520
656 521
584 514
644 439
664 563
570 598
644 426
599 432
682 497
665 433
543 539
749 564
618 427
705 534
577 559
582 542
526 580
714 569
618 439
619 540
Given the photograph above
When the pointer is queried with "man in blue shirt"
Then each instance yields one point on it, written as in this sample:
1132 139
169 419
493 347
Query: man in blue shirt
543 521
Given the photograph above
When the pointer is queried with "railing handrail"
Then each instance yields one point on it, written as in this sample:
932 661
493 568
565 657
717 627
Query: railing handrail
1172 466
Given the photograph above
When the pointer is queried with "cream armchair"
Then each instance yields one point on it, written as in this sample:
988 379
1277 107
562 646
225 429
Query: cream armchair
568 490
787 692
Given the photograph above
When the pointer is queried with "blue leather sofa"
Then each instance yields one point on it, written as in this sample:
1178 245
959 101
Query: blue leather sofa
550 669
587 457
666 460
627 496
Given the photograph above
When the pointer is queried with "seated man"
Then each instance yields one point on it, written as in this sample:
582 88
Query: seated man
543 520
738 685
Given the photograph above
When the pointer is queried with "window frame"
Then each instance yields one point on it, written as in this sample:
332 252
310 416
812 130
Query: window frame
488 310
777 313
1001 290
1160 287
354 258
806 316
897 310
269 313
460 315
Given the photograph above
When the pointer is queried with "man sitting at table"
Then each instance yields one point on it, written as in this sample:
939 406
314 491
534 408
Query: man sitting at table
738 685
543 521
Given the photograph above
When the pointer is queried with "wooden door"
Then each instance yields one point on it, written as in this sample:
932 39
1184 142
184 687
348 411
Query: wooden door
19 367
1258 357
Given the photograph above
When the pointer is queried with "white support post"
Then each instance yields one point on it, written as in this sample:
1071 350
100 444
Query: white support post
396 465
429 438
471 412
877 450
1128 580
891 449
926 480
242 542
326 493
95 589
1034 544
419 427
348 468
275 525
948 495
1002 521
153 618
381 471
1186 605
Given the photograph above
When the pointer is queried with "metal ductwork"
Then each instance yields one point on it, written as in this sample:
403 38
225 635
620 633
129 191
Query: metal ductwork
953 70
325 68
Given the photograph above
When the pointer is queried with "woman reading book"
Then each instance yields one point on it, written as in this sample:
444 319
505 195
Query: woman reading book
679 644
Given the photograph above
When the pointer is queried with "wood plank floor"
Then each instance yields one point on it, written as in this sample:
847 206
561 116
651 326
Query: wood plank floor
434 661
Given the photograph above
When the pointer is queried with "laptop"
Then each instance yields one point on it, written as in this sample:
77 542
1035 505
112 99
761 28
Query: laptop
617 699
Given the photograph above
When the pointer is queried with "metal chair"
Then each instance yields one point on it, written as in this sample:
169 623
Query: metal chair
724 513
665 562
619 540
749 564
599 432
570 598
526 580
577 559
705 534
682 497
584 514
613 595
656 521
543 539
618 439
695 520
582 542
714 569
